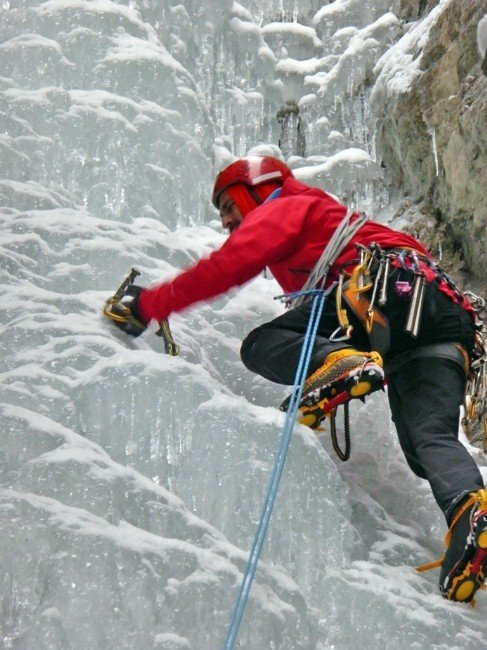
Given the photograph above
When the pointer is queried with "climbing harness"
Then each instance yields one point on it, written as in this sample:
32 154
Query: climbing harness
453 351
374 262
368 282
364 290
119 313
318 298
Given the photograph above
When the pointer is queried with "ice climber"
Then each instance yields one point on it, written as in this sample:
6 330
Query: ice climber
392 310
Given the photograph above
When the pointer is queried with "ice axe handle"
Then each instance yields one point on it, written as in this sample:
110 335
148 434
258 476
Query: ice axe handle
170 344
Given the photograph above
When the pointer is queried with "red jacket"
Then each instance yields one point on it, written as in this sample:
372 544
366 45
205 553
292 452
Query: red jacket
288 235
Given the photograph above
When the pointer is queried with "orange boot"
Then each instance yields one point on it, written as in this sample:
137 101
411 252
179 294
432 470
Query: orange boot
464 567
345 374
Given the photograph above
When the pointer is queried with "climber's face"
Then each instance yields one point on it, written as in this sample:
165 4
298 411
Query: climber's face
229 213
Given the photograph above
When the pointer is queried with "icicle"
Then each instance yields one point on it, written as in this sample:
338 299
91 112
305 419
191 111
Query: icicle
432 132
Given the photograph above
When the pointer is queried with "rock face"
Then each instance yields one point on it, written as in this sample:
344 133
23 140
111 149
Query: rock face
434 135
414 9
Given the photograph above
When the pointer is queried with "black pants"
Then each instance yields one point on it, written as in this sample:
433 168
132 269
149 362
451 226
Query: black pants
424 394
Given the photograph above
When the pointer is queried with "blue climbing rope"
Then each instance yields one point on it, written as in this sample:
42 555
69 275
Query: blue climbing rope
279 460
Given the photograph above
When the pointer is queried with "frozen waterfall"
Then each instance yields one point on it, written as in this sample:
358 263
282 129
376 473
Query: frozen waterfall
131 481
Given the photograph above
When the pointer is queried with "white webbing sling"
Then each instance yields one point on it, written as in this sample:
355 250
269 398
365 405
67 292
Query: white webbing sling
343 234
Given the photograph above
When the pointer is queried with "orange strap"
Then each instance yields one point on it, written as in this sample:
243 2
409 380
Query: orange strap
430 565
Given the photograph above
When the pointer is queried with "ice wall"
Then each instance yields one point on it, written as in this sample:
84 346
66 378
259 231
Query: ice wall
131 482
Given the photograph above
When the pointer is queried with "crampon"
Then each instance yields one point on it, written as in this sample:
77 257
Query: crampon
345 375
464 566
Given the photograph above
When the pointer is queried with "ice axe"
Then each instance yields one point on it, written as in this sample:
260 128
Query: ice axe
121 314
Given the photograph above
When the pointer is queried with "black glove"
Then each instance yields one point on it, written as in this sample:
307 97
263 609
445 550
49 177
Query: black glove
127 315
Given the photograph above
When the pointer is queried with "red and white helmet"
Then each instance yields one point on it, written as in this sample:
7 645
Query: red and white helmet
250 171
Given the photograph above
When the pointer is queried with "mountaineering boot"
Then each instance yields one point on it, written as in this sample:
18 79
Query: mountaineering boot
464 567
345 374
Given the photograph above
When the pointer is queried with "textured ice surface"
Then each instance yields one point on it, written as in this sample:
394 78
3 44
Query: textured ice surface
130 481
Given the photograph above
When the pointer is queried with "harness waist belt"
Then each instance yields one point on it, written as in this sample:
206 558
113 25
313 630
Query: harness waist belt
453 351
